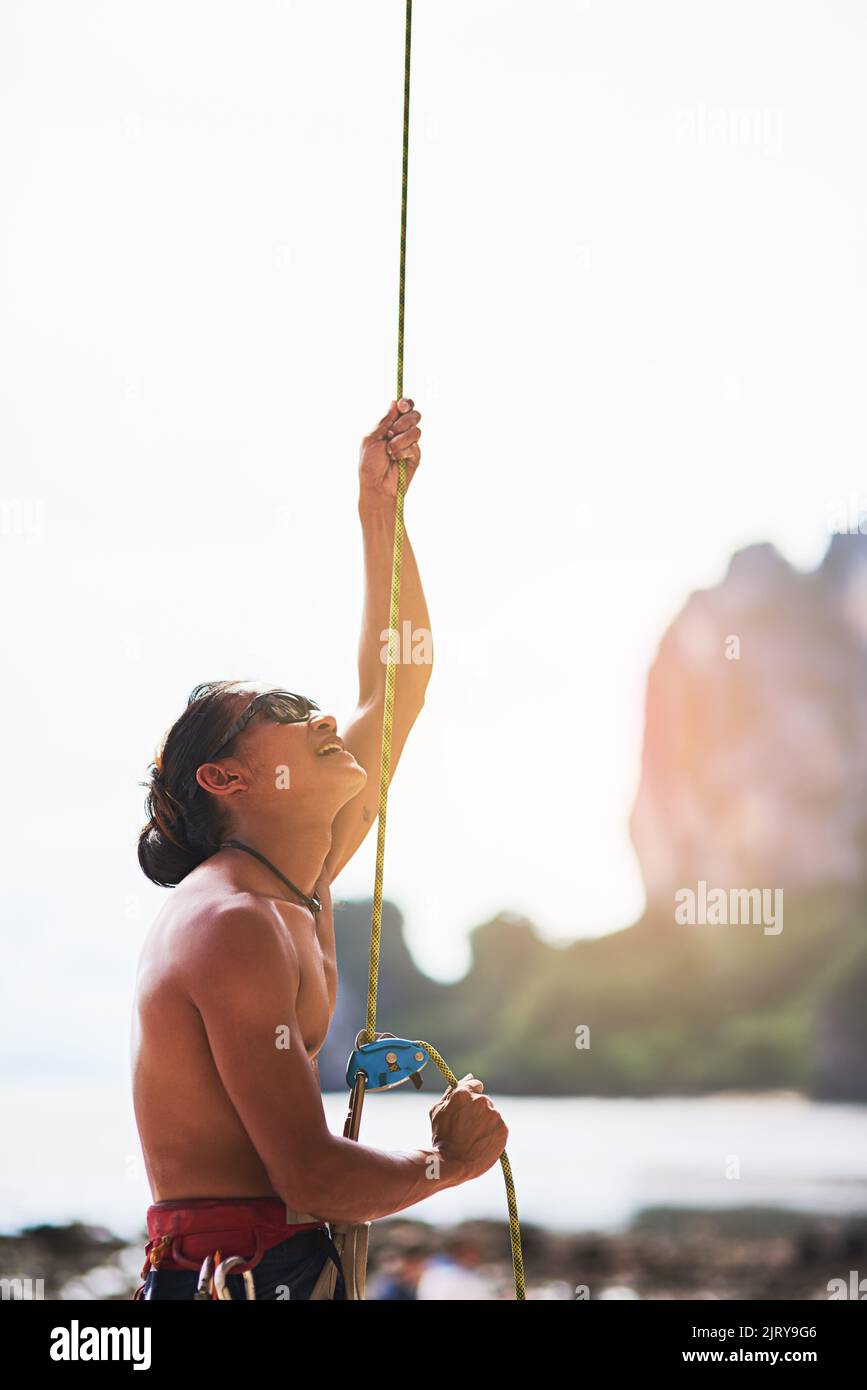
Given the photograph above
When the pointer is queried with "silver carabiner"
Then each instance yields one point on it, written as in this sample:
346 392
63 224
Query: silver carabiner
203 1285
224 1269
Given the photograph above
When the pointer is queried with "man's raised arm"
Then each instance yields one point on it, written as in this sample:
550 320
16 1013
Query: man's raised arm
395 437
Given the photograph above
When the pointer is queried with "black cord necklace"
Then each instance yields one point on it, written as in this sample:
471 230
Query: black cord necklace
314 903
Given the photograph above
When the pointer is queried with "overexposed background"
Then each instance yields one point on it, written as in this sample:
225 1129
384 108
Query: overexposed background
635 325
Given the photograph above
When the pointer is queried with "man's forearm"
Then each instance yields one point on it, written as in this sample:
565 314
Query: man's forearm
352 1182
377 525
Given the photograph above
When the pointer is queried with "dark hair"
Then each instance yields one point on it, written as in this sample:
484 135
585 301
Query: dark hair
185 825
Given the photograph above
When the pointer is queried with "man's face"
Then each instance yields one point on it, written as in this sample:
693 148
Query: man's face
298 764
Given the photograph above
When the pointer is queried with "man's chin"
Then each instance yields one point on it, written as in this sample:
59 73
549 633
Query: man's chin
345 762
359 776
345 769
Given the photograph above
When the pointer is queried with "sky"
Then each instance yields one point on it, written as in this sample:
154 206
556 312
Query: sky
636 308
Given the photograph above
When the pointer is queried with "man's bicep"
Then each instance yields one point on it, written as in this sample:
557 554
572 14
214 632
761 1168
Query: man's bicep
247 1001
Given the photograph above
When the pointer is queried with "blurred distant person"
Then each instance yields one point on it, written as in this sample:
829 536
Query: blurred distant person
255 805
454 1275
399 1280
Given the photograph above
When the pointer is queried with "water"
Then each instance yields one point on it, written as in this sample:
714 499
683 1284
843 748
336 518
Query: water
70 1153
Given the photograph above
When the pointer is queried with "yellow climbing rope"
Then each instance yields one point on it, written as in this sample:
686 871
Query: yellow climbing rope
385 764
514 1225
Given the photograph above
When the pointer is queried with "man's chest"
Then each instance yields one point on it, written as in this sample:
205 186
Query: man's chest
313 937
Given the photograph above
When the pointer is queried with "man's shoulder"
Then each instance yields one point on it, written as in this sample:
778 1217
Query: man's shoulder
214 924
205 897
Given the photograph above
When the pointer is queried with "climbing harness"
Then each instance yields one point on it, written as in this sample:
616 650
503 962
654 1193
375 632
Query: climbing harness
380 1061
206 1235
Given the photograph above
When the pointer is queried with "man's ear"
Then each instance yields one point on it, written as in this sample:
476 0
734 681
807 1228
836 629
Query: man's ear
220 780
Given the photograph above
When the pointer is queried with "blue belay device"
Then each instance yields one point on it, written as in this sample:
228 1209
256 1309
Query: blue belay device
386 1062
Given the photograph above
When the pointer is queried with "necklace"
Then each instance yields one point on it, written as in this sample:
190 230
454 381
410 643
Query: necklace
314 903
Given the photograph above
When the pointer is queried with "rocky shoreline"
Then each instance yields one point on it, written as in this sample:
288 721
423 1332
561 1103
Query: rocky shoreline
666 1254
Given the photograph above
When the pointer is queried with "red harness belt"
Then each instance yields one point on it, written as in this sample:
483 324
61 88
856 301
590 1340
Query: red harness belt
182 1233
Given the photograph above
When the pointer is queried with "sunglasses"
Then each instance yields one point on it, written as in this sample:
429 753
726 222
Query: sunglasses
280 705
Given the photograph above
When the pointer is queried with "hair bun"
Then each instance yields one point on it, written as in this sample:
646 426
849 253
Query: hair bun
185 825
166 811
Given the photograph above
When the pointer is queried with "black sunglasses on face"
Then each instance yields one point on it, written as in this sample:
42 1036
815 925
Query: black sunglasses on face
280 705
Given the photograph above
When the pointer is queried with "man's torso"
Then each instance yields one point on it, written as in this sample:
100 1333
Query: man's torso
193 1140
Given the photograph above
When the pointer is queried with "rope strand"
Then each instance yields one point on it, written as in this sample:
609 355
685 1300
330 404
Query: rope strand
394 605
388 714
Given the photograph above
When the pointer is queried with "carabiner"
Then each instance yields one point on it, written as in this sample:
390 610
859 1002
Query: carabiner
224 1269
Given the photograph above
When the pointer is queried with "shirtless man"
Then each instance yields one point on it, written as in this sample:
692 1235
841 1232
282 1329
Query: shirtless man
238 977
